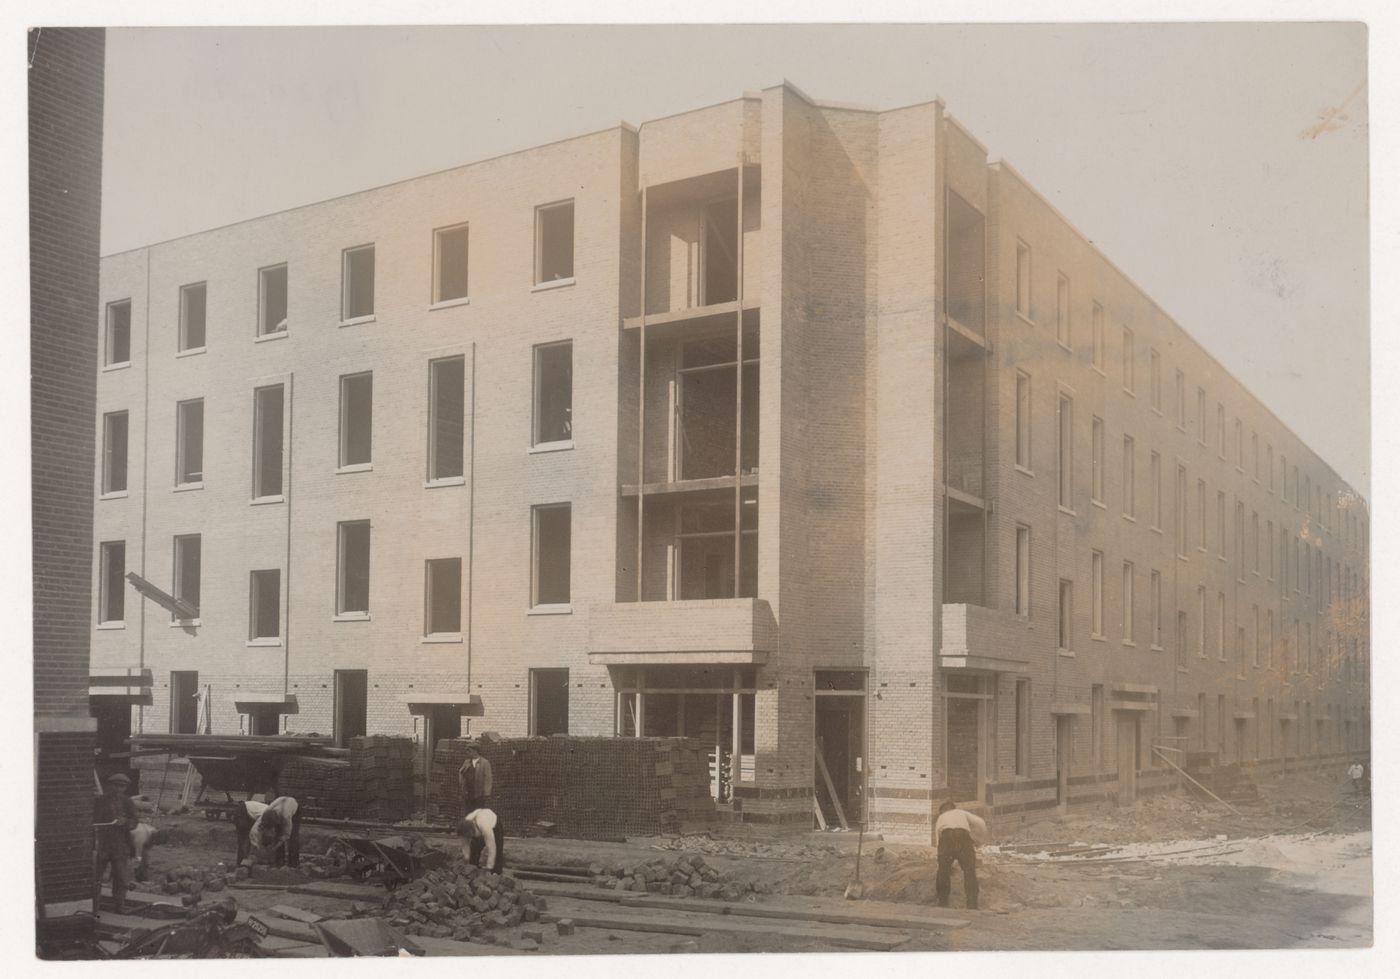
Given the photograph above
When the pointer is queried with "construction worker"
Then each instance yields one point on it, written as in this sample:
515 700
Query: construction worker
954 833
143 837
269 826
475 779
113 819
483 839
1354 772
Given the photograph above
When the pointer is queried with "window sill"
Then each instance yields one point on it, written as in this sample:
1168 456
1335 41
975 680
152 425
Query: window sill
265 500
1098 369
1182 669
1098 636
188 487
1066 510
357 320
266 337
350 617
1155 529
1130 518
114 495
1100 504
444 481
263 643
1021 315
106 626
191 352
1157 411
1065 347
1024 471
185 623
550 610
1183 557
1065 652
542 447
123 365
1130 392
359 467
1157 648
1129 642
552 284
442 637
450 303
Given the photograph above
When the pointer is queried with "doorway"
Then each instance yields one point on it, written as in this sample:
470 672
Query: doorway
1064 758
184 702
840 746
549 702
1128 738
265 719
351 705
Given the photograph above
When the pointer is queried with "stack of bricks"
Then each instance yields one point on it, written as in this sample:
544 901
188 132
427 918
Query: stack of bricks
320 785
381 778
589 788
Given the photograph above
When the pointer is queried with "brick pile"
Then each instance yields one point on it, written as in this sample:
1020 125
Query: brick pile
590 788
321 785
683 876
381 778
462 902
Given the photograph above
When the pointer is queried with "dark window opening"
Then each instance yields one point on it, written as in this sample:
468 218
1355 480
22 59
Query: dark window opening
554 242
552 555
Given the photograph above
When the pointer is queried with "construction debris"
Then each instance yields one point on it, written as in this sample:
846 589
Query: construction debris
683 876
462 902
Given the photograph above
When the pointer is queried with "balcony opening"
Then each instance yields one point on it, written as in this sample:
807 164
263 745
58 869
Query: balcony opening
963 555
704 553
966 230
965 416
708 404
719 253
692 242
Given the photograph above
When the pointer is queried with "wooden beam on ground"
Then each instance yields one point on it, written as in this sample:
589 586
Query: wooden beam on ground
831 789
1198 785
296 914
817 811
345 892
695 924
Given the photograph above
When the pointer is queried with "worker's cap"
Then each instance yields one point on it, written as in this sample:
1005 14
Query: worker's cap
118 779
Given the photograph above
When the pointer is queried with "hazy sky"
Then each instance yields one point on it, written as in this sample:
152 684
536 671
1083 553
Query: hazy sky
1190 154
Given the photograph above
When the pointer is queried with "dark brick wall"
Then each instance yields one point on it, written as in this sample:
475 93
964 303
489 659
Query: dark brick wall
65 189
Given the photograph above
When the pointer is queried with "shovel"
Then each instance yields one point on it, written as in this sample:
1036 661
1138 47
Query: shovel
856 890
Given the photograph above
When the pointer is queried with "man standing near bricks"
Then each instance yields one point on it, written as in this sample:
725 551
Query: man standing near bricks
113 819
475 779
954 832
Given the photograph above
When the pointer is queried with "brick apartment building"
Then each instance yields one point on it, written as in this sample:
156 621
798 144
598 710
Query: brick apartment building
795 427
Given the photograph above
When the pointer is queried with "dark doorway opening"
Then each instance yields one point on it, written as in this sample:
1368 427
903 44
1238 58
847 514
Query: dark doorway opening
351 705
549 702
184 702
840 743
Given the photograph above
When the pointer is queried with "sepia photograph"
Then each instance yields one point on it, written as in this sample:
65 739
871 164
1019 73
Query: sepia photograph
648 488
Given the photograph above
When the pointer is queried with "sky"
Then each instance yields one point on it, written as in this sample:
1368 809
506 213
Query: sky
1223 167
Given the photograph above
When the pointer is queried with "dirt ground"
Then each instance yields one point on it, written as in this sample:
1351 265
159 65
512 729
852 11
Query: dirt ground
1292 869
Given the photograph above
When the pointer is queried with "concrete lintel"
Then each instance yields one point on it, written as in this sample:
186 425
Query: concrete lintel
962 660
420 703
1072 709
708 657
1137 705
1134 688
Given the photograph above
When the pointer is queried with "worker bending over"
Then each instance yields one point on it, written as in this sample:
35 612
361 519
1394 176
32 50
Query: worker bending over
113 819
274 826
954 833
483 839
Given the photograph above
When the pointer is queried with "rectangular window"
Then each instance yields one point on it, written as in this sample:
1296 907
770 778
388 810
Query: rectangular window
1023 570
1239 445
1256 636
1062 328
357 283
1220 522
265 605
356 419
1239 540
118 345
1254 452
1254 536
446 417
552 555
1096 717
1182 531
450 264
186 576
1023 279
1096 594
189 441
1129 597
1023 727
1181 640
192 309
1096 461
272 300
549 702
1128 358
114 434
554 242
1129 477
1269 464
442 615
1023 420
1066 452
1201 415
1201 513
1181 400
111 601
1096 328
267 441
1283 474
1201 621
1155 474
352 569
1269 650
1066 619
554 392
1220 625
1297 498
1220 429
1156 609
1155 379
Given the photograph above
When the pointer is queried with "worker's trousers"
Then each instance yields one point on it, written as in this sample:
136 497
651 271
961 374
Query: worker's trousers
956 845
288 849
476 844
113 853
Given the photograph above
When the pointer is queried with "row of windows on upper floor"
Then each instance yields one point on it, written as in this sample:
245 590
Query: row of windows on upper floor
554 266
1304 495
551 426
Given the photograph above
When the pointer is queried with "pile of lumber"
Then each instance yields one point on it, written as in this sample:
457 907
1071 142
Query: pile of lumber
232 744
381 778
462 902
683 876
589 788
321 785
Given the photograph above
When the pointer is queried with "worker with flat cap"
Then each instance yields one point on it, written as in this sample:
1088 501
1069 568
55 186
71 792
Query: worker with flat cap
113 819
475 779
954 833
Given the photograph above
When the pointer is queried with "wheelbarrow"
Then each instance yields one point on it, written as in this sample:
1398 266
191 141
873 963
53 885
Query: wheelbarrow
390 860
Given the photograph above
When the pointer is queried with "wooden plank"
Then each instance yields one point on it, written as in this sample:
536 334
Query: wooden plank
296 914
692 924
622 923
831 790
437 947
345 892
817 811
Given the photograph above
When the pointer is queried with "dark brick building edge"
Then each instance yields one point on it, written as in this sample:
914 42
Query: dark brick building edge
65 192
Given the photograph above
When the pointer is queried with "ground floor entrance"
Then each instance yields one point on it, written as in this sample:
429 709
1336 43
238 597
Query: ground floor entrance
1129 745
967 702
839 777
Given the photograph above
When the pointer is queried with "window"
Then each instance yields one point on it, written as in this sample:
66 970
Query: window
1096 717
1201 621
1096 461
1023 570
1066 626
1181 640
1182 531
114 432
549 702
1220 625
264 605
1239 445
1239 540
554 242
1096 339
1129 478
1256 636
1128 357
1220 522
352 569
1283 474
1220 429
118 333
1128 599
1269 464
1254 532
356 419
446 414
189 441
1254 452
357 283
1156 598
1023 279
554 392
1066 452
1181 401
1062 330
111 600
1269 659
1096 594
1239 650
192 309
442 615
267 442
550 585
1155 379
1023 420
1201 415
450 264
186 576
1023 727
1155 473
1201 513
1297 499
272 300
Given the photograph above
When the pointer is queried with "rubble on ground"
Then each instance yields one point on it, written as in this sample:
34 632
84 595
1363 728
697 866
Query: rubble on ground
684 876
779 849
462 902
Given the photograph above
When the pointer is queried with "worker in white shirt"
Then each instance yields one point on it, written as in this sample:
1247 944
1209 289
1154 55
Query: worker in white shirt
274 826
954 833
483 839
